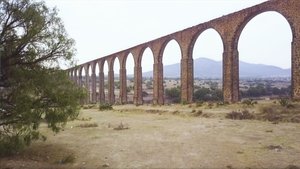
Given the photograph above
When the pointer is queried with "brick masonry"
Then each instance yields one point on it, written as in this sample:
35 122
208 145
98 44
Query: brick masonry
229 28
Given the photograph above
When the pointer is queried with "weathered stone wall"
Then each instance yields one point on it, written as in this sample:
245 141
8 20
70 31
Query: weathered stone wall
229 27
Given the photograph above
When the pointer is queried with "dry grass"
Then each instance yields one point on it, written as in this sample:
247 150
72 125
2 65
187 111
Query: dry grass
159 139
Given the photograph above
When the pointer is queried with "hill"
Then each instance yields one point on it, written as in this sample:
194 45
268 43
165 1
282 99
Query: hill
208 68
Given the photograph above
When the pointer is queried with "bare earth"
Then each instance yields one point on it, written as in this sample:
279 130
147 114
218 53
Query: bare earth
164 137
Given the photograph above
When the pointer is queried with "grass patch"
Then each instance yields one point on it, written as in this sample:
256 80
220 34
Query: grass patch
68 159
84 119
279 114
87 125
197 113
240 115
105 106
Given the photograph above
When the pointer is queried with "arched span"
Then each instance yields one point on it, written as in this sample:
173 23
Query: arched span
196 37
142 53
243 24
163 47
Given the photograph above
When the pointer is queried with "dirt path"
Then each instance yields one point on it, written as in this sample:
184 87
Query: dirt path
164 140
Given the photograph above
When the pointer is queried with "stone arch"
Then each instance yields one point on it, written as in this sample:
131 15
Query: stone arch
128 82
159 58
241 29
247 19
146 82
171 54
139 58
203 73
198 34
116 79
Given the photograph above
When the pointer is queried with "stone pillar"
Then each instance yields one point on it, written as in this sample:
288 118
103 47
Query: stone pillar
138 81
101 87
80 78
123 85
158 84
111 86
75 77
94 91
187 80
296 69
87 84
230 74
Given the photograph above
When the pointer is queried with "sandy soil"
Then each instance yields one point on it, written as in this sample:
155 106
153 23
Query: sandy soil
160 137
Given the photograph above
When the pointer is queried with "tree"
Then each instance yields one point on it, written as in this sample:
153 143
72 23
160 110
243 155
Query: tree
173 94
33 87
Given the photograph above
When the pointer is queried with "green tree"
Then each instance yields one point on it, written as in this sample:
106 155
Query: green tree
173 94
33 87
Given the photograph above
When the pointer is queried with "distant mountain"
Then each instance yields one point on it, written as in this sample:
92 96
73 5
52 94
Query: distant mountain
208 68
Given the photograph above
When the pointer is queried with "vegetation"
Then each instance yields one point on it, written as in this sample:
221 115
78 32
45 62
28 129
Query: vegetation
264 90
249 102
105 106
33 87
173 94
240 115
208 94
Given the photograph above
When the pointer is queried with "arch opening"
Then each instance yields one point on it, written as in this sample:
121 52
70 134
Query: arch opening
265 57
171 72
105 71
116 68
130 77
208 66
147 62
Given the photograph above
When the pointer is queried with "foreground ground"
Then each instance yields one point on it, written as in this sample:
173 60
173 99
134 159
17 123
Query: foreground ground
163 137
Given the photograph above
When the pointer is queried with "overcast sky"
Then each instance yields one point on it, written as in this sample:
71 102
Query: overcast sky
103 27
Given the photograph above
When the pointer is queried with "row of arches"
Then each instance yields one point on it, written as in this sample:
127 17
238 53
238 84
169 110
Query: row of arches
122 86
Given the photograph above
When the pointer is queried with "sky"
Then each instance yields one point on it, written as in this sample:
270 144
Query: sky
103 27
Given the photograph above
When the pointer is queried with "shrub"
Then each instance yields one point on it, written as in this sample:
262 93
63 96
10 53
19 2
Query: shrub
249 102
240 115
105 106
199 104
197 113
68 159
279 114
284 102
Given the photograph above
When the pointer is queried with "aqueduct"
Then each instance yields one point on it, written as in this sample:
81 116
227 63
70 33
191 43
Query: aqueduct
229 28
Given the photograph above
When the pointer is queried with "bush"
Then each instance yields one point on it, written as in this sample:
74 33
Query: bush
197 113
105 106
12 144
240 115
249 102
279 114
284 102
68 159
173 94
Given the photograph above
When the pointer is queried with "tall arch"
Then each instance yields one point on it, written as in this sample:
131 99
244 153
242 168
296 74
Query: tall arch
116 69
171 57
105 72
129 61
207 54
275 51
147 61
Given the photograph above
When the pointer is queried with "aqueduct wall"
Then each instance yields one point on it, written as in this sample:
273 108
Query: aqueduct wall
229 28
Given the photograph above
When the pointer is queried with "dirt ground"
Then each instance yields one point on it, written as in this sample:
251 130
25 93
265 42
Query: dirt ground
163 137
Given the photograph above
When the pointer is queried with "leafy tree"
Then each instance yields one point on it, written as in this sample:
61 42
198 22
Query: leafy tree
206 94
173 94
33 87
